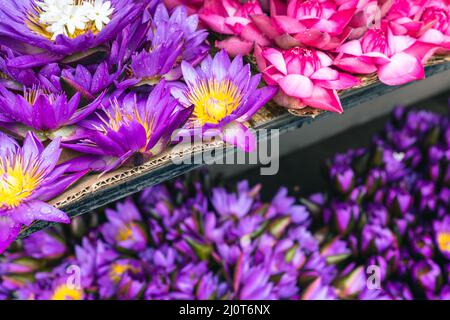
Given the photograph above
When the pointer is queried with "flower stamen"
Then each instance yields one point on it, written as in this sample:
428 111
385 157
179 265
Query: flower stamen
214 100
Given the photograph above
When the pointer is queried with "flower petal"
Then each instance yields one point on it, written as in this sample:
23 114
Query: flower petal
239 135
9 230
402 69
296 85
324 99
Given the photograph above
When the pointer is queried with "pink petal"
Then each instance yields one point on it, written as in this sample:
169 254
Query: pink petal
252 34
399 43
286 41
325 74
313 38
264 23
234 21
422 51
260 61
378 57
433 36
234 46
288 24
325 59
277 7
358 65
230 6
216 23
272 76
276 58
296 85
402 69
345 81
341 19
324 99
287 101
351 47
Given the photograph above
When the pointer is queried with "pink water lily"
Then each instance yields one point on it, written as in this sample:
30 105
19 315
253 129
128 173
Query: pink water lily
369 13
322 24
230 17
305 76
397 59
404 16
427 20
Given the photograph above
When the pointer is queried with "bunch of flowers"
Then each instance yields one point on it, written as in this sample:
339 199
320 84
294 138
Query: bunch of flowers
109 82
176 242
390 204
390 38
386 216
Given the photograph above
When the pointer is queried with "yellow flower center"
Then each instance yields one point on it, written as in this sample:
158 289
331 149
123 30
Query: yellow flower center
117 270
64 292
124 234
444 241
18 180
31 94
214 100
117 117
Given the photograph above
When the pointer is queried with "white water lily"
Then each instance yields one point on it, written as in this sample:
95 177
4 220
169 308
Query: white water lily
74 17
52 10
99 12
65 17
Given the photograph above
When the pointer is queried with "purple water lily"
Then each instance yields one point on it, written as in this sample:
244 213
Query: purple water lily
48 31
92 80
186 240
224 95
133 127
170 40
49 114
125 227
45 245
427 274
442 236
29 175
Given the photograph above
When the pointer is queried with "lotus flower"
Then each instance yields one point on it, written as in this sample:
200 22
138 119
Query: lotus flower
224 95
322 24
28 177
396 59
437 15
132 127
305 77
48 31
48 114
172 39
429 21
369 14
233 18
